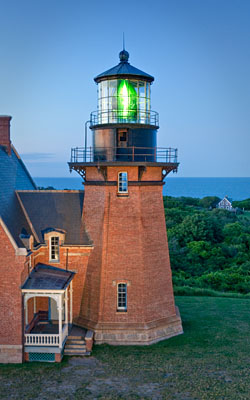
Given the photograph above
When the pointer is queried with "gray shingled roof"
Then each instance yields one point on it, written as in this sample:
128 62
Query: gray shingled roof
45 277
60 210
13 176
45 209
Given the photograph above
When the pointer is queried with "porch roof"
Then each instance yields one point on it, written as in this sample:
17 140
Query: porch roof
46 277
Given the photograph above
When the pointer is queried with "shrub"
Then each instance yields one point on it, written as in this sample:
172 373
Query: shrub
209 202
242 204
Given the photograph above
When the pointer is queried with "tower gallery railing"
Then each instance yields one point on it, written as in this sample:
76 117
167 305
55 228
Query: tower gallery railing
130 154
120 117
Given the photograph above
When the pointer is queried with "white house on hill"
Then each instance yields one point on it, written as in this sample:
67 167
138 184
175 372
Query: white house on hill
225 204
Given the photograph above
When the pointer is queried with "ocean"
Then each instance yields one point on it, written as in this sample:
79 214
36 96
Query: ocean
236 188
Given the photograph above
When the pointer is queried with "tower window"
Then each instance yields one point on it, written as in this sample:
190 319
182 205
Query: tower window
122 297
54 248
123 182
122 136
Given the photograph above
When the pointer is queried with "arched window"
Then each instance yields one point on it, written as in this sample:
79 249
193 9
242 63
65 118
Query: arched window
54 248
122 297
123 182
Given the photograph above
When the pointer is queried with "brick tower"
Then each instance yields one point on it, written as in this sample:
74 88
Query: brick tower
127 294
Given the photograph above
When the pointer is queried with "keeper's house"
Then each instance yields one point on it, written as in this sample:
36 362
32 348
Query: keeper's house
43 248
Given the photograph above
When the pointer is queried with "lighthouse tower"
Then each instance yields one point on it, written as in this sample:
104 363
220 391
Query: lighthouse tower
127 293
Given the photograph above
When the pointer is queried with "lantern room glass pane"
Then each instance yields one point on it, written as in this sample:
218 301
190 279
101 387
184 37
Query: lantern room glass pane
142 89
135 86
124 100
148 90
112 87
104 89
112 100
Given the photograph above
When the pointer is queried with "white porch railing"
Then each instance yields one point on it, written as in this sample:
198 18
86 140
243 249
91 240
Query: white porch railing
41 339
44 339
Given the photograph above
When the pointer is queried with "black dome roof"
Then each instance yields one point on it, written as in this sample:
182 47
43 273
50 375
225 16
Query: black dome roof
123 69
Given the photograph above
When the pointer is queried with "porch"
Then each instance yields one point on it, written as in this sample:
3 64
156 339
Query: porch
45 333
47 330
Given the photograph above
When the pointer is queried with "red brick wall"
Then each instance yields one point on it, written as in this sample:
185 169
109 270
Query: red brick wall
92 174
5 132
75 261
95 203
14 271
156 255
11 272
129 235
151 173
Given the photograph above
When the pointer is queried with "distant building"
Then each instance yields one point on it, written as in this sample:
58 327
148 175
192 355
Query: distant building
226 204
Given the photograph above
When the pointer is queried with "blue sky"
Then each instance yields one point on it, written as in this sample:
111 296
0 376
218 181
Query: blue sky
197 50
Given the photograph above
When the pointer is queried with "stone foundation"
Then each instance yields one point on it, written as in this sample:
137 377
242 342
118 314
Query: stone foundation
137 334
11 354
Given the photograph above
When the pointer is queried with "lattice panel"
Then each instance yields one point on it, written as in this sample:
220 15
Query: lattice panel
42 357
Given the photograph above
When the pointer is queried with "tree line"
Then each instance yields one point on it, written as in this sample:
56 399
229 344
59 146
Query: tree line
209 247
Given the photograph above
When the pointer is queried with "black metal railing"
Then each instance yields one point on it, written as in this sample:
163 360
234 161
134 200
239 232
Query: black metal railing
130 154
119 117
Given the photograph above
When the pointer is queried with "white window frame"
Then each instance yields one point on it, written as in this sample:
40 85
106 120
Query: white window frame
120 182
51 245
122 303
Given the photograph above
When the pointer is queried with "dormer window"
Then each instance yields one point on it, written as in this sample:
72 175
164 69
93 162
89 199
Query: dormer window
54 248
123 182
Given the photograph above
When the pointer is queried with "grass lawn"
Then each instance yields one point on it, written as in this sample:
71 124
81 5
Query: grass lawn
210 361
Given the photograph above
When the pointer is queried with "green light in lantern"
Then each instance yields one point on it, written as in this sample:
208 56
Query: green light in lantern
127 100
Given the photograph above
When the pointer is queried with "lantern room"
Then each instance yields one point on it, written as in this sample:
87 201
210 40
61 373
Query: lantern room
124 127
124 95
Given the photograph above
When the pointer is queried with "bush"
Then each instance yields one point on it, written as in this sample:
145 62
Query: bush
208 249
209 202
194 291
226 280
242 204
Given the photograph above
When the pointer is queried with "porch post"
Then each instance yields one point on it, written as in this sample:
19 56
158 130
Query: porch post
71 302
26 309
66 311
34 299
60 319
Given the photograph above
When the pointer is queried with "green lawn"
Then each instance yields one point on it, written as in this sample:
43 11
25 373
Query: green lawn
210 361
